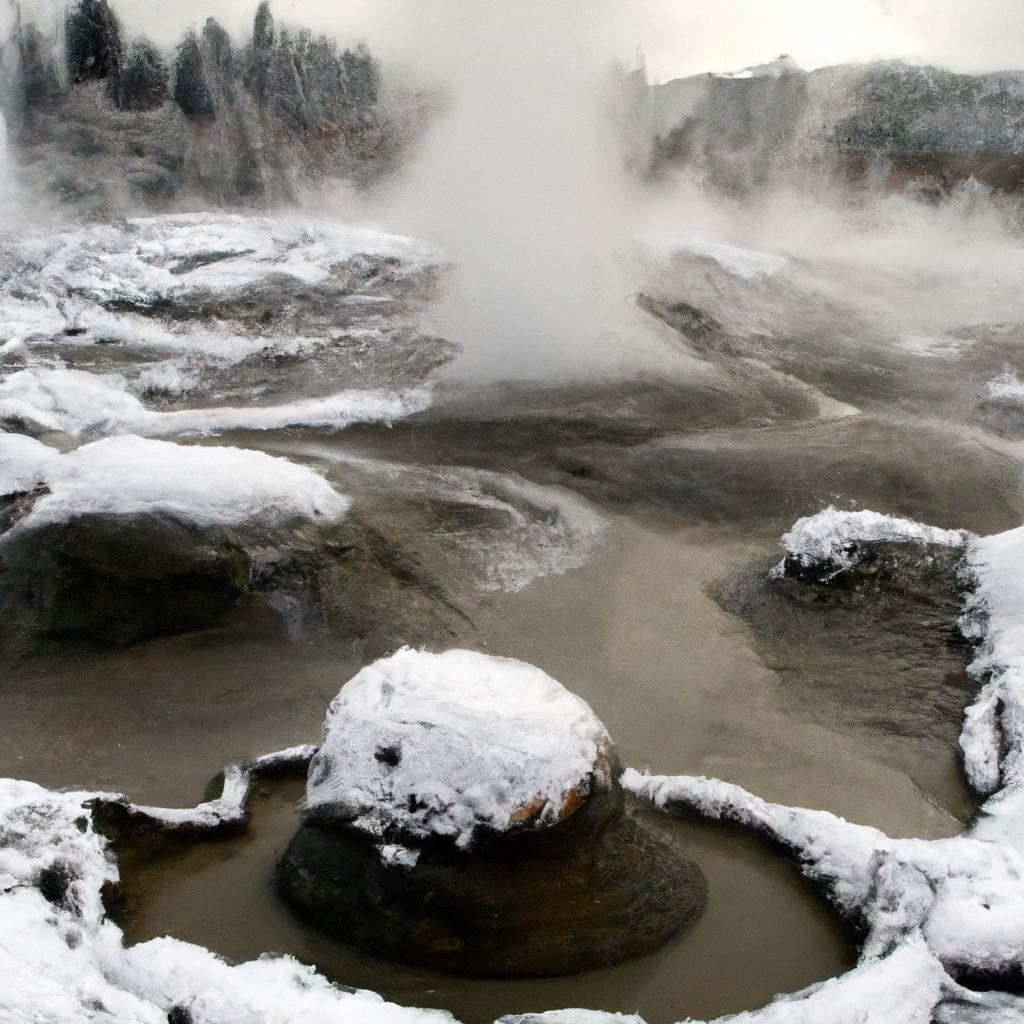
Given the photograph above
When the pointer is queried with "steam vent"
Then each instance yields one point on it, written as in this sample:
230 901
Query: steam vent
464 814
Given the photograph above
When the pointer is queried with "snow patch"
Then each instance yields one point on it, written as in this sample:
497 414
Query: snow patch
63 963
447 744
88 404
204 485
993 737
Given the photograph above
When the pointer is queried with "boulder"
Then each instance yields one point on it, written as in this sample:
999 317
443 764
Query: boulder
117 577
463 813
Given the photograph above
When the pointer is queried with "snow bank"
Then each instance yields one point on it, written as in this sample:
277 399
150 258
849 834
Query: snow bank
993 735
964 896
445 744
832 538
87 404
1007 385
62 963
204 485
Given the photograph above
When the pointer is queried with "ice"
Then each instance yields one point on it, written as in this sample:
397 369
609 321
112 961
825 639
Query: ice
204 485
89 404
447 744
832 537
152 259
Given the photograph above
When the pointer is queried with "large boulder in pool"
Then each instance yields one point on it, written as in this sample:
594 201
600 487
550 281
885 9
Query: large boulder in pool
464 814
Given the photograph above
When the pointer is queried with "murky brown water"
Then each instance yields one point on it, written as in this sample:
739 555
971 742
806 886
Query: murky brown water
765 929
683 686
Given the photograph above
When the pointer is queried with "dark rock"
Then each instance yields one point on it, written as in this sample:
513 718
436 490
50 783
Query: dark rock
602 886
872 652
117 578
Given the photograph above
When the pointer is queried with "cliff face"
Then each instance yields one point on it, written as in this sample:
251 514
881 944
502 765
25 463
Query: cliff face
887 124
113 124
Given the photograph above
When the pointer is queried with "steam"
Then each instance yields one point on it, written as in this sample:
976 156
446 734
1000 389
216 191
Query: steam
522 181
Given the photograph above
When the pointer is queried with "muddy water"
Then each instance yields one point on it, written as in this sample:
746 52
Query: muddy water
764 931
683 685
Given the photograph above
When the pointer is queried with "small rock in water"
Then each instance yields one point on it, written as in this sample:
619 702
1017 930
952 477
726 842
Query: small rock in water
463 814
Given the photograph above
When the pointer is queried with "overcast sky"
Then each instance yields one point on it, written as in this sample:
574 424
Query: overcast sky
677 37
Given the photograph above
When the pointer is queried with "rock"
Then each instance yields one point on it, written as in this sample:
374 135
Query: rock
463 815
117 578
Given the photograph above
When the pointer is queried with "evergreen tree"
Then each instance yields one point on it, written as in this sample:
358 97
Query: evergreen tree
144 78
92 42
191 90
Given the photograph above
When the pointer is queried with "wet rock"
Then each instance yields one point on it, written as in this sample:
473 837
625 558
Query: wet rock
872 652
463 814
117 578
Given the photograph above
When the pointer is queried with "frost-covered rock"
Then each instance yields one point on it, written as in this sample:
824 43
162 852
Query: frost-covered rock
463 815
128 538
452 744
131 475
831 541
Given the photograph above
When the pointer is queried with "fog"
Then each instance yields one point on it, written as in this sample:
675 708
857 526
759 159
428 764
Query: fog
678 38
522 177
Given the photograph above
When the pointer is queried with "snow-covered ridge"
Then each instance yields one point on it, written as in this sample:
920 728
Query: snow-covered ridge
993 735
446 744
89 404
204 485
832 538
929 908
146 261
72 285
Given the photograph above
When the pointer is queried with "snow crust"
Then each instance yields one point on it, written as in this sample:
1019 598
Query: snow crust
81 403
831 537
63 963
446 744
204 485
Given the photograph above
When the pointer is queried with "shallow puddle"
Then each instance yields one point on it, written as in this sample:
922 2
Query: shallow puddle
765 930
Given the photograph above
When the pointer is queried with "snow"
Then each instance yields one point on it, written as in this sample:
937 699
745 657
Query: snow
447 744
145 260
204 485
81 403
832 537
62 963
230 808
1006 385
993 737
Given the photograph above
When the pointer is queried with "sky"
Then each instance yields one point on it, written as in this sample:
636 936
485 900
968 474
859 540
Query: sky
677 37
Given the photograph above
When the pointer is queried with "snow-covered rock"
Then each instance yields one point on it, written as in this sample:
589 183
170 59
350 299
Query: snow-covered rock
833 540
449 744
199 484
